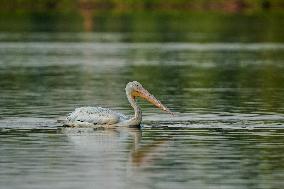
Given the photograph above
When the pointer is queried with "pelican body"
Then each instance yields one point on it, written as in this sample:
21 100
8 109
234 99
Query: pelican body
98 116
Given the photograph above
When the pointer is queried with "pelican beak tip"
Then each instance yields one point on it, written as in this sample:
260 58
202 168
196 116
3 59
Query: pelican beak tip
168 111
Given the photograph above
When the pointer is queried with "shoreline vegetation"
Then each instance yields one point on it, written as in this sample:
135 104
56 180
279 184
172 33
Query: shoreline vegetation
227 6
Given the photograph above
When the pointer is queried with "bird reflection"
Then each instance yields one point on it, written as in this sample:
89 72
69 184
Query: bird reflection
106 143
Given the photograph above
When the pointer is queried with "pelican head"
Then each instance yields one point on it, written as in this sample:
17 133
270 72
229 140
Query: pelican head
135 89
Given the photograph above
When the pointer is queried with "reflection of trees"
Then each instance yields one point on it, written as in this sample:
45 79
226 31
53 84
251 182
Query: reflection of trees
218 81
88 23
222 81
40 22
185 79
201 81
153 26
184 26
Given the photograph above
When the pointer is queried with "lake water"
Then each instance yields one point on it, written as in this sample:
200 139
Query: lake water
221 74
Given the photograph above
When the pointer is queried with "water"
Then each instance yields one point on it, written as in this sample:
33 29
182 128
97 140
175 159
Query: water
223 80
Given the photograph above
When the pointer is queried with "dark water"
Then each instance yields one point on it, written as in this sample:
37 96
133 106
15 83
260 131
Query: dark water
222 75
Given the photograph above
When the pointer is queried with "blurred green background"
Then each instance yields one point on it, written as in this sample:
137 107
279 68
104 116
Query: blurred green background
171 20
213 5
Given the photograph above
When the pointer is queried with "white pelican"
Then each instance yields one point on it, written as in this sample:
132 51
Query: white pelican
98 116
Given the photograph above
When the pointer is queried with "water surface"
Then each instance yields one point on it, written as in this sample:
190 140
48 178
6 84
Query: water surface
223 79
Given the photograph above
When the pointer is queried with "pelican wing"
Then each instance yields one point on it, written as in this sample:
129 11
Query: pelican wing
95 115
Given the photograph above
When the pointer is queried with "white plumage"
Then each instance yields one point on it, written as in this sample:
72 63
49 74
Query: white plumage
94 116
98 116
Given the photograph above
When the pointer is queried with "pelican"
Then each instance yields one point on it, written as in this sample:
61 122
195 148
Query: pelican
98 116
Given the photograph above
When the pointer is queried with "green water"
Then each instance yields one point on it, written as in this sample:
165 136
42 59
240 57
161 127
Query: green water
221 74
